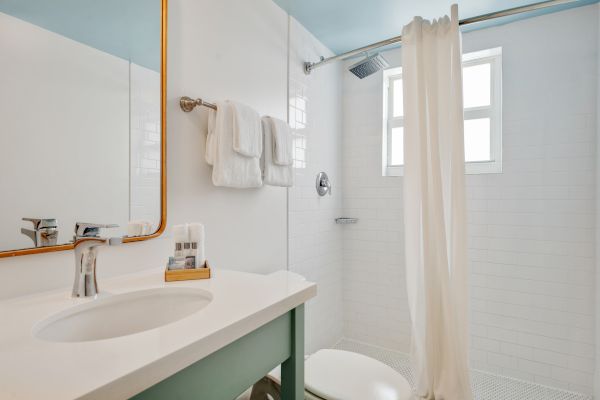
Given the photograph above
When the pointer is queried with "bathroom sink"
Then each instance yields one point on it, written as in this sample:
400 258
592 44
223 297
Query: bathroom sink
122 314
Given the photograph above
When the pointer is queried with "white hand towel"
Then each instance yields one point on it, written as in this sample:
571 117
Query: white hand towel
247 132
273 174
282 142
230 168
211 143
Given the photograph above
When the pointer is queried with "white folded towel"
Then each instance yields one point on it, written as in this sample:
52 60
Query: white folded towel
282 142
230 168
273 174
247 132
211 143
139 228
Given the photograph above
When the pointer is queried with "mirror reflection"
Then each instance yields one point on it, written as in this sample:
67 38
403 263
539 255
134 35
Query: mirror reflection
80 139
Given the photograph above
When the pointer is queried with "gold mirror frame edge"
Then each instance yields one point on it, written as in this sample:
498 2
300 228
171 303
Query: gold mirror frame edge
163 153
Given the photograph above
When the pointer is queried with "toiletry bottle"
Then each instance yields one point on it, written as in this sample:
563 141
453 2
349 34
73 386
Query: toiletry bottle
196 231
174 263
180 237
187 253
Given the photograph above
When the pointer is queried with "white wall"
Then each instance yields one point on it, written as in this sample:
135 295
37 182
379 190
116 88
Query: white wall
531 228
315 240
226 50
44 78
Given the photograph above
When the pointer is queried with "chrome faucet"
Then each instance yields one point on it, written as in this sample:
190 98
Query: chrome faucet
44 232
86 244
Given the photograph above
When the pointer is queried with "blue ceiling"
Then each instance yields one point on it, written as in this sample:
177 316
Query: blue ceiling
344 25
129 29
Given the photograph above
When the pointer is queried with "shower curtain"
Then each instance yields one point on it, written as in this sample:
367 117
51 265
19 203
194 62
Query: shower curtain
434 207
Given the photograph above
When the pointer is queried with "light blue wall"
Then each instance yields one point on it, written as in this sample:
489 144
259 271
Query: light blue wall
343 25
129 29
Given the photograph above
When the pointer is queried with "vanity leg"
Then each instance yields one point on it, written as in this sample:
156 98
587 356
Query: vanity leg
292 369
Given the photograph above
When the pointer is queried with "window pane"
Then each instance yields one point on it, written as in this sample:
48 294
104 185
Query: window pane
397 153
477 140
477 85
398 98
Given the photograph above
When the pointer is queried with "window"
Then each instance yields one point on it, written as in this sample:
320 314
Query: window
482 97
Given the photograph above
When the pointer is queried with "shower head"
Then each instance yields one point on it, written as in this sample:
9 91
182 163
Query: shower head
369 66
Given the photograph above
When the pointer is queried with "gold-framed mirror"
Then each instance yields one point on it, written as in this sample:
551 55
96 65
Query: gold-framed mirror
83 110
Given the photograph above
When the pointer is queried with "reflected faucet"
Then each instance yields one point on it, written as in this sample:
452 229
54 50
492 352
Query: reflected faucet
86 244
44 233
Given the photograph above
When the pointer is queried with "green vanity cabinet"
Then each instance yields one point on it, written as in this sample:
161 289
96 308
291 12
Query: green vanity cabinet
226 373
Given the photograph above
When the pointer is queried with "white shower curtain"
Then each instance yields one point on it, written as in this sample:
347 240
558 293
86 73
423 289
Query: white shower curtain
434 207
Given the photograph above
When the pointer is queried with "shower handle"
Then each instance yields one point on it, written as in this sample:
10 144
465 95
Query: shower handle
323 185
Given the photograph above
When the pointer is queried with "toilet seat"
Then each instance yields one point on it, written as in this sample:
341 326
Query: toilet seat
343 375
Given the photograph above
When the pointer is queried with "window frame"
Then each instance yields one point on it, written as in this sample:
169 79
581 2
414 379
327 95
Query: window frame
493 112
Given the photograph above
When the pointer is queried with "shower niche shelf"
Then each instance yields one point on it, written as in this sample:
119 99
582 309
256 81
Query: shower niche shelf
345 221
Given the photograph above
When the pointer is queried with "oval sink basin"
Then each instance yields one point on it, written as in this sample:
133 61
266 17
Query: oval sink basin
122 314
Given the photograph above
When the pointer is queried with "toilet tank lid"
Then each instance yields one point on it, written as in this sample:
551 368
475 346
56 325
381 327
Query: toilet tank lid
343 375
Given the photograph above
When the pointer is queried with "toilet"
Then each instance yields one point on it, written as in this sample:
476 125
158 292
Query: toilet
340 375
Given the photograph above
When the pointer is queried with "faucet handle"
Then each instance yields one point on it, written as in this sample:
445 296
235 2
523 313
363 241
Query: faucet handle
42 223
323 184
87 229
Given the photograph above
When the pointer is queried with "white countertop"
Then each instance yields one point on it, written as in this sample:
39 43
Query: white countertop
119 368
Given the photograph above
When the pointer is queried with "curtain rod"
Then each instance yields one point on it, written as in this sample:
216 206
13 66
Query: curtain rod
309 66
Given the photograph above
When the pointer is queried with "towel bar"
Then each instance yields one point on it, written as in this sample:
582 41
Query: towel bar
187 104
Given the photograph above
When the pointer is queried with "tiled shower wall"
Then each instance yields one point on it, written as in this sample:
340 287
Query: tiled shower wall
375 306
531 228
144 145
315 241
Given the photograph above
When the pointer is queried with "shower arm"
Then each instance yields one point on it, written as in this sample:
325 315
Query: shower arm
309 66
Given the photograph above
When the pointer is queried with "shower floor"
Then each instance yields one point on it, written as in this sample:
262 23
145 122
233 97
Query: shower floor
486 386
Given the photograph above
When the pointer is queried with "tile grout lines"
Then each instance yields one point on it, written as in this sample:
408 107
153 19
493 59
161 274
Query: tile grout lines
486 386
